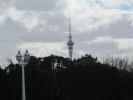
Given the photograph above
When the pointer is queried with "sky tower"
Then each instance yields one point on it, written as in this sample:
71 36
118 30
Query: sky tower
70 43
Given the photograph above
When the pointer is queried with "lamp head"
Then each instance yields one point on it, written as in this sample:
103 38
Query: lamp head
26 57
19 56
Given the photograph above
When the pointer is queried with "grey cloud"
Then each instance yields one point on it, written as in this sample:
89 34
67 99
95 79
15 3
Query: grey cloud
119 29
98 48
13 30
45 5
4 4
10 30
9 40
49 34
8 50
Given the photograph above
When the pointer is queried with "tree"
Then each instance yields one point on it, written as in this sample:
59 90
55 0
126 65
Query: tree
120 63
87 59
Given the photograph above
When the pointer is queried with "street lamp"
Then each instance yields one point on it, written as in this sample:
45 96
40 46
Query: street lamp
22 61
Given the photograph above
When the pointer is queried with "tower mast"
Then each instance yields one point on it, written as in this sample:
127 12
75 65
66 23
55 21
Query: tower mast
70 43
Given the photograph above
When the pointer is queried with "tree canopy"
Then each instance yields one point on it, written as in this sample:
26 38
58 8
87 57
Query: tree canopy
83 78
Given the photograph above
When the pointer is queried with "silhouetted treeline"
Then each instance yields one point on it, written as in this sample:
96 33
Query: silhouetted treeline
84 78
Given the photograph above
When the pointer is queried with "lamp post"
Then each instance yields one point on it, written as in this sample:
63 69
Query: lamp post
56 88
22 61
54 85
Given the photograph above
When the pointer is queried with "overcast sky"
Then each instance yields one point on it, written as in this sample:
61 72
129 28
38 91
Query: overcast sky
99 27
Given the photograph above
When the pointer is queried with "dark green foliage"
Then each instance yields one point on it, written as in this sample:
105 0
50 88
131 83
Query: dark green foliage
84 78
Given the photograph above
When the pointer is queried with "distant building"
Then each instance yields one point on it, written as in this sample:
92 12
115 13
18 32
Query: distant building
70 43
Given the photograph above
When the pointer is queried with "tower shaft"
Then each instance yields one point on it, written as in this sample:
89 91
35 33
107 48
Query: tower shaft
70 43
